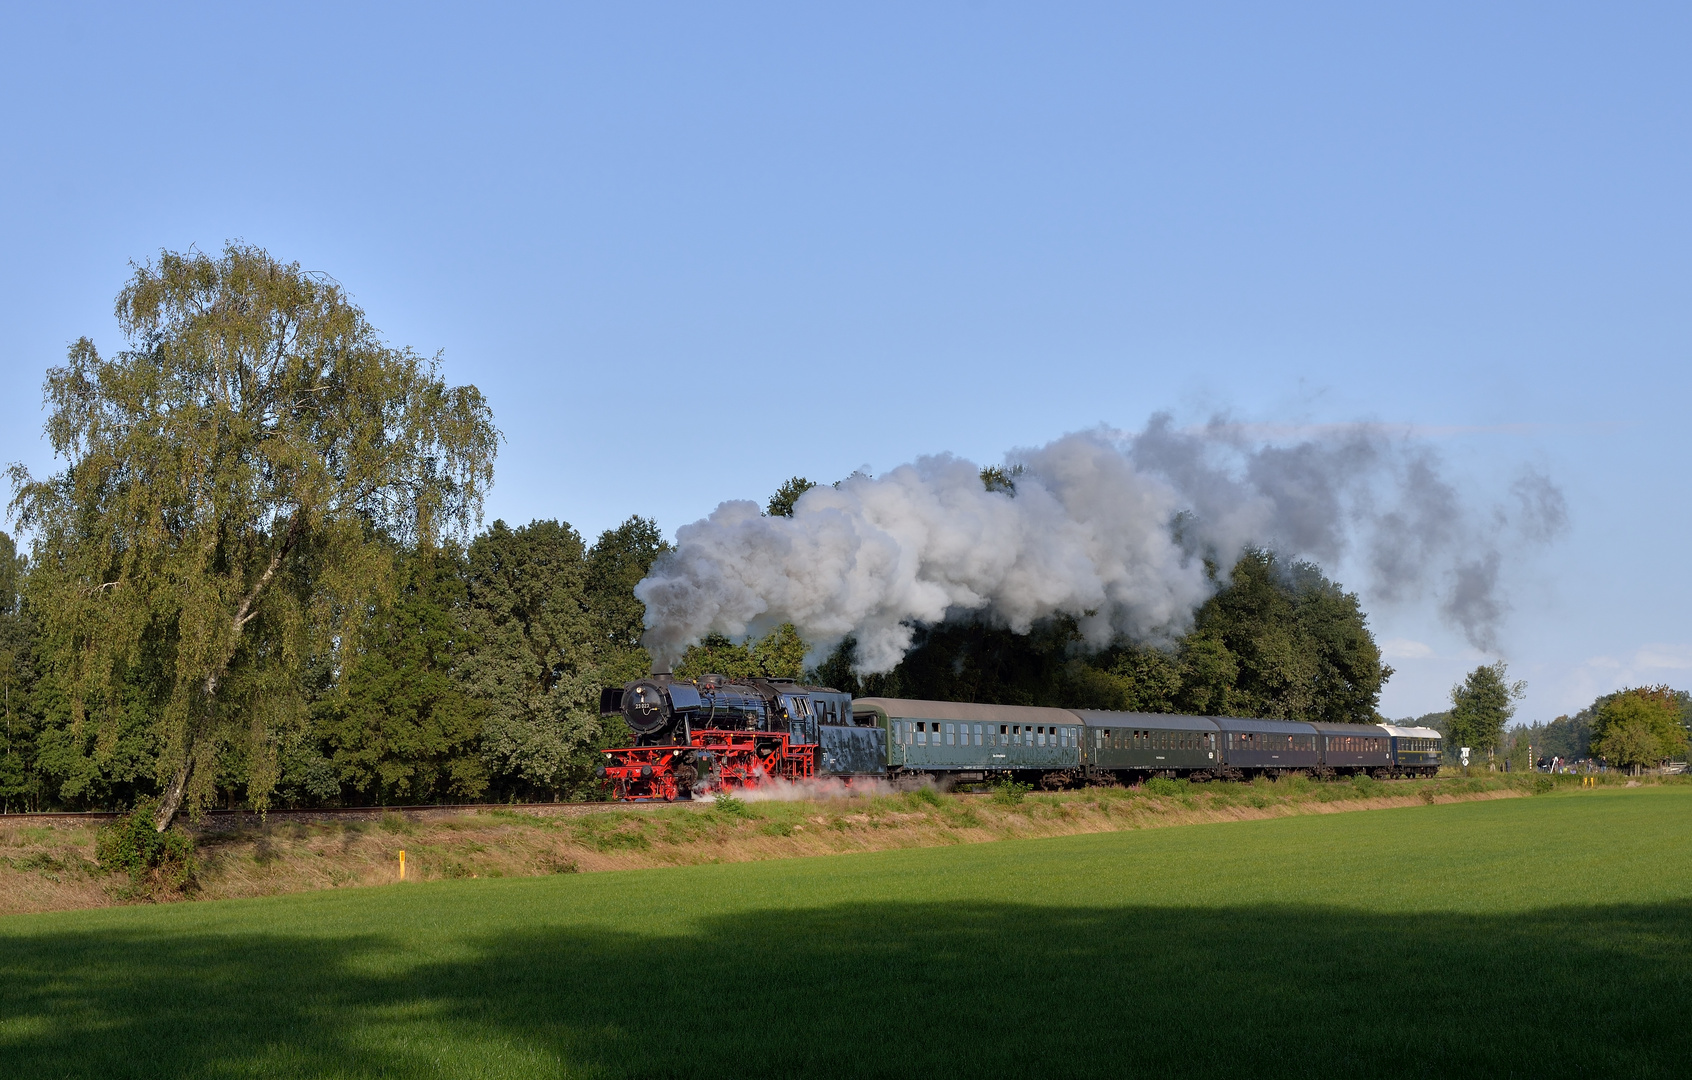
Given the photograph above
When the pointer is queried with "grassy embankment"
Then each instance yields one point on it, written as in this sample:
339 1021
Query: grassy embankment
1543 936
51 867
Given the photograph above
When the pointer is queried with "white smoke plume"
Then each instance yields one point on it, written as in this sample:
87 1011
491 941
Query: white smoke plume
1108 527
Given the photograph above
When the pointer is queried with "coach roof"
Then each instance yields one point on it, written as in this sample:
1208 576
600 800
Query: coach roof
1157 721
1411 732
1347 729
1235 723
907 709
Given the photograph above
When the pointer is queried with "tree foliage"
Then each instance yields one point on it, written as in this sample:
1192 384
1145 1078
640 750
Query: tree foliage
781 503
1566 737
615 565
780 654
19 785
534 666
1640 726
228 478
400 726
1481 705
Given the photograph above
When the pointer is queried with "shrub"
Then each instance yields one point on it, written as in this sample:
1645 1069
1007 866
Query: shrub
728 804
1009 792
553 863
132 846
925 795
395 823
1366 785
966 818
1542 784
1163 785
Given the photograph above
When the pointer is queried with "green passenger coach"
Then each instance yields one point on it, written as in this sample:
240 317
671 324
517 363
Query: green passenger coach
959 738
1155 743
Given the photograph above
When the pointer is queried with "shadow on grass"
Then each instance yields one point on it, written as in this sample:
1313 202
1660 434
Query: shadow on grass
929 990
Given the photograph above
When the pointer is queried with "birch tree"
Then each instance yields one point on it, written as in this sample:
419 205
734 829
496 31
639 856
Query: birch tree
228 477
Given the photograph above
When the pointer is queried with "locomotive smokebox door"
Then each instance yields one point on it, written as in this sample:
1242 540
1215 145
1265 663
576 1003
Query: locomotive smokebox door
644 707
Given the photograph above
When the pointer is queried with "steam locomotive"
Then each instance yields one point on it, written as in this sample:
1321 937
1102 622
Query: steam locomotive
718 734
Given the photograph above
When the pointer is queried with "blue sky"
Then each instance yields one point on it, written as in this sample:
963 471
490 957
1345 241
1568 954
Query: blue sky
690 250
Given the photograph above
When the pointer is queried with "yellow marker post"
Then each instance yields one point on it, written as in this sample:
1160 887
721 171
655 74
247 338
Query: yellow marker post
402 864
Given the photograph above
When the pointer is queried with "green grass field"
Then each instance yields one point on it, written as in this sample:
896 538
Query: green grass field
1541 936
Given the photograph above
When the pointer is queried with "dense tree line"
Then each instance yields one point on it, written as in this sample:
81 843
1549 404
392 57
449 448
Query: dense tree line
477 678
259 579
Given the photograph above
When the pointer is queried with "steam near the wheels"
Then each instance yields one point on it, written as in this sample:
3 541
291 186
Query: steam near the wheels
1108 527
